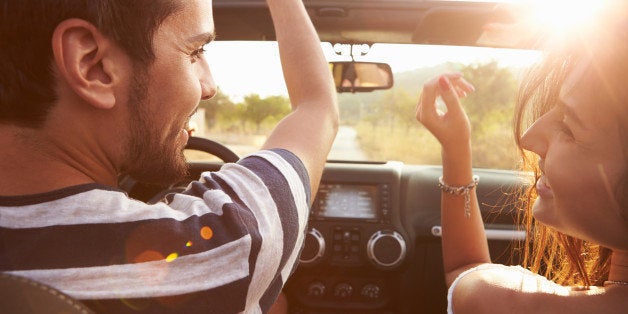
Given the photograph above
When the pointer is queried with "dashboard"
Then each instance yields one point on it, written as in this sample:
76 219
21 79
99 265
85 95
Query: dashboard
373 240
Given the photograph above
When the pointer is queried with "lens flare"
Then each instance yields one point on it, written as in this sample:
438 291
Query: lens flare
171 257
147 256
207 233
553 19
565 15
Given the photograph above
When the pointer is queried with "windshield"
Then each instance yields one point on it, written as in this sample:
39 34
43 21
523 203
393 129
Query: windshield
375 126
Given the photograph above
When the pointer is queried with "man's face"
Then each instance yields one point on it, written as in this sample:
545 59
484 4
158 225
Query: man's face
164 96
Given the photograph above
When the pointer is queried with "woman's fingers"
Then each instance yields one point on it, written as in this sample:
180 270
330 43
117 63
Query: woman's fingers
462 86
449 94
450 87
453 126
426 108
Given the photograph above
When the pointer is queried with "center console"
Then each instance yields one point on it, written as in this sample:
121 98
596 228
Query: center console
355 246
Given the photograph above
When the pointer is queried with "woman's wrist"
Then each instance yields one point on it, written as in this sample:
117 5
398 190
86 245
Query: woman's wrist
457 164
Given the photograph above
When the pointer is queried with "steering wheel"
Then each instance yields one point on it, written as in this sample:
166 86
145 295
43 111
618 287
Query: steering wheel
211 147
194 143
203 145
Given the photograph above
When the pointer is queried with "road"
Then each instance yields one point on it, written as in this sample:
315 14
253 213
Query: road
346 146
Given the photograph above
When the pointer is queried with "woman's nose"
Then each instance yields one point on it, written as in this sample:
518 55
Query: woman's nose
535 138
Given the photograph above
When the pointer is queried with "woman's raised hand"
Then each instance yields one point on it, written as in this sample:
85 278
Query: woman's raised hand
451 128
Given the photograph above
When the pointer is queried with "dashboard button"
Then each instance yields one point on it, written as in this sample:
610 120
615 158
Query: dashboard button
355 237
370 291
343 290
316 289
337 248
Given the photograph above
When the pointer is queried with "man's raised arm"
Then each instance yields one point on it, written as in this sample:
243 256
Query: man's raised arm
311 128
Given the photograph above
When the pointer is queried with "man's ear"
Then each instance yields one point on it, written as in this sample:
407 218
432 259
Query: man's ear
90 64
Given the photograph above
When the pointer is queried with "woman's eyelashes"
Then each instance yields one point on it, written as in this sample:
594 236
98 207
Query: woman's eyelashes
561 122
564 129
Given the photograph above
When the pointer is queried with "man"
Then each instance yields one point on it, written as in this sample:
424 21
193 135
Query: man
94 88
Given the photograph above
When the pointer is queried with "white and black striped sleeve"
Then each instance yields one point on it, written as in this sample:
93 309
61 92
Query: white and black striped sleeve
225 245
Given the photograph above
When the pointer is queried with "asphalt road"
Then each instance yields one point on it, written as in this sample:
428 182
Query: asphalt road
346 146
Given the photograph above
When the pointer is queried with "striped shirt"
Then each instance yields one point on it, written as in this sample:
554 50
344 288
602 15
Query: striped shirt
225 245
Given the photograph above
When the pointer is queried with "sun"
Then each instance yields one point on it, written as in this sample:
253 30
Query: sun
565 16
551 18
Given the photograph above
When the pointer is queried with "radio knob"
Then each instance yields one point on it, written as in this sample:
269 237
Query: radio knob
316 289
386 249
314 248
343 290
370 291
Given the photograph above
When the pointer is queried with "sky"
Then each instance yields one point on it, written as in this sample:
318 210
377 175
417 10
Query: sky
241 68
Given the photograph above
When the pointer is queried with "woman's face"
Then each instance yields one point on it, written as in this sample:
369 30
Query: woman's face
581 162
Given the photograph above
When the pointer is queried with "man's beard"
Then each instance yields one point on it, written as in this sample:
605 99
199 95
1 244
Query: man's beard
147 160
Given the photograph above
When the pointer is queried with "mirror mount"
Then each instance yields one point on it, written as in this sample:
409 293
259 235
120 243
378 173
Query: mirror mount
352 50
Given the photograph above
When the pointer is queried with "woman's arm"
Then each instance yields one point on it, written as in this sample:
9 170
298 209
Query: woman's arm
464 241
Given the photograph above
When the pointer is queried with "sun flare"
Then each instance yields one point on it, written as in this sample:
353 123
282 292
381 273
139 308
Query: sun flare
564 16
553 18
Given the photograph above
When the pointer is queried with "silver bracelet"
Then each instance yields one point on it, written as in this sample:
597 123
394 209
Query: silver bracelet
460 190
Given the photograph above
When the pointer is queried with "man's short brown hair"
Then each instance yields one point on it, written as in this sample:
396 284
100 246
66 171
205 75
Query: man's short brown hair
26 27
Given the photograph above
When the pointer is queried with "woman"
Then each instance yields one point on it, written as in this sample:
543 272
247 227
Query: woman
575 108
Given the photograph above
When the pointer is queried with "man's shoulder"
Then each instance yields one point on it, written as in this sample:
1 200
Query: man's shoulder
276 168
77 205
59 195
280 159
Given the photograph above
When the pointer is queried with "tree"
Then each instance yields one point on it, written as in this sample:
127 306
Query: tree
231 117
495 89
398 107
258 109
214 106
490 111
388 128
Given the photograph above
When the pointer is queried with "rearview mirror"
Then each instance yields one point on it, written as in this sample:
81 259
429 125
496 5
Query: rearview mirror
352 76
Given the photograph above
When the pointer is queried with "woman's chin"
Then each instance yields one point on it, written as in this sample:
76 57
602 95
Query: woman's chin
543 210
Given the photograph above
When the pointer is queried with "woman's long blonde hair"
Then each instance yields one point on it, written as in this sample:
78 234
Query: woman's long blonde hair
559 257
